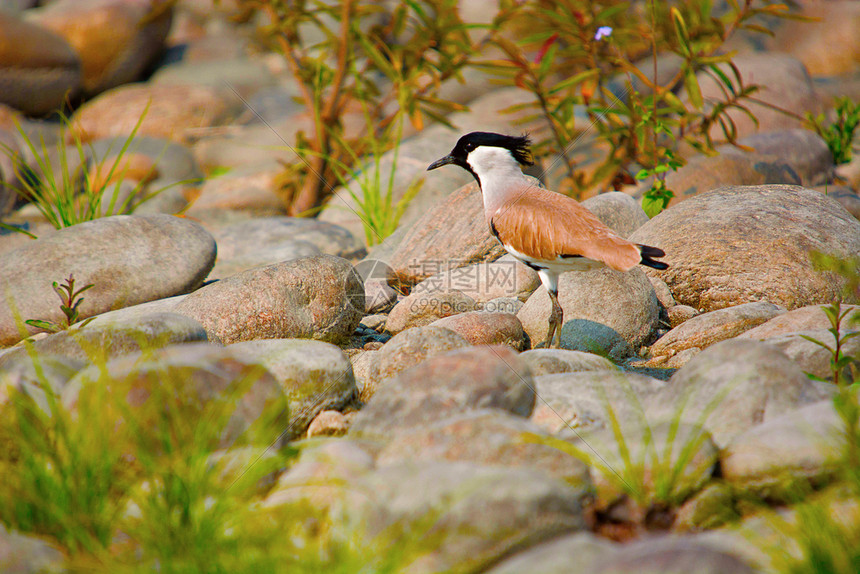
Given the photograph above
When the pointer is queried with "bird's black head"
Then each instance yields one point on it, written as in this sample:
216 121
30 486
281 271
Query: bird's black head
518 146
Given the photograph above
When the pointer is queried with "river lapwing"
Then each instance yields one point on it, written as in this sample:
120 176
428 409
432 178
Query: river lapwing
548 231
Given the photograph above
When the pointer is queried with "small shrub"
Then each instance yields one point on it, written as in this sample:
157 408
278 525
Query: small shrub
70 300
839 135
388 62
843 368
578 55
70 190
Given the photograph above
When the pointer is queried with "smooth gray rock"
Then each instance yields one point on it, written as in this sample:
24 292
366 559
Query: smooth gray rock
808 318
673 555
326 467
708 328
408 349
732 386
814 359
308 298
785 84
487 437
704 173
551 361
103 340
315 376
284 251
247 237
199 377
444 385
129 259
596 301
586 400
805 444
486 328
709 237
468 516
420 309
583 549
23 554
245 75
803 149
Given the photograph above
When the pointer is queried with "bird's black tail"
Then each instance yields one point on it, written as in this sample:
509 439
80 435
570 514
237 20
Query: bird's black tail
648 253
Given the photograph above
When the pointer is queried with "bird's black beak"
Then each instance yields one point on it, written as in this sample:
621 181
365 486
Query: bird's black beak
440 162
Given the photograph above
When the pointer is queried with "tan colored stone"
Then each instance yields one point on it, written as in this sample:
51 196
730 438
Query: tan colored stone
328 423
167 111
38 69
115 39
485 328
740 244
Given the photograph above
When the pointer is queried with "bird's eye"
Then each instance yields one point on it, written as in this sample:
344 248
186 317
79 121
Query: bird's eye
470 146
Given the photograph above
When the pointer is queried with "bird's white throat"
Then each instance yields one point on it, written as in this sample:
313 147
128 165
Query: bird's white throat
500 174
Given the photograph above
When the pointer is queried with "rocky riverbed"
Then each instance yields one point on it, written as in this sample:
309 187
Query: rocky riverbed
436 398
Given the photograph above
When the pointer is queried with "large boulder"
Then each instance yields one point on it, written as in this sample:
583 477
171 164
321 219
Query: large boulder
314 375
308 298
445 385
731 387
452 233
462 517
208 388
736 245
166 112
117 40
38 69
128 259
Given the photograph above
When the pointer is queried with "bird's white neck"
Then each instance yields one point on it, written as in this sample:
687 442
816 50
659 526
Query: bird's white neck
500 176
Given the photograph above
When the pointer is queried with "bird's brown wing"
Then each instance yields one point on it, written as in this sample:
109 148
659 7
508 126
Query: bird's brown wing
547 225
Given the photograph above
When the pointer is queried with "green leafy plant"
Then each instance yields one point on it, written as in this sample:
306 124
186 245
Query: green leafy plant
843 368
839 134
578 55
383 61
70 300
122 488
657 477
71 187
657 197
821 530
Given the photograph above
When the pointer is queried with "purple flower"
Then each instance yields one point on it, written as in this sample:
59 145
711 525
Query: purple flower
603 32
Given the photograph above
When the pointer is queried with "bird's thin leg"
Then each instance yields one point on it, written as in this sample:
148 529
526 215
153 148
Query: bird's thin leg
555 322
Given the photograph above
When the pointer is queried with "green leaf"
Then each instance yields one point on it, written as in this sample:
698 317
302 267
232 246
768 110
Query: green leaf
49 326
693 90
814 377
681 31
574 80
817 342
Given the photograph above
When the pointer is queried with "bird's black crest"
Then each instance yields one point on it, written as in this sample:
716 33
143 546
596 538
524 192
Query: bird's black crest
517 145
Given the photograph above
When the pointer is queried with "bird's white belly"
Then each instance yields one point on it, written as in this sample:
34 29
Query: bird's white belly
558 265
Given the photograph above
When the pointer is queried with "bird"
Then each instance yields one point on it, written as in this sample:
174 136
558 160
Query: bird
547 231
